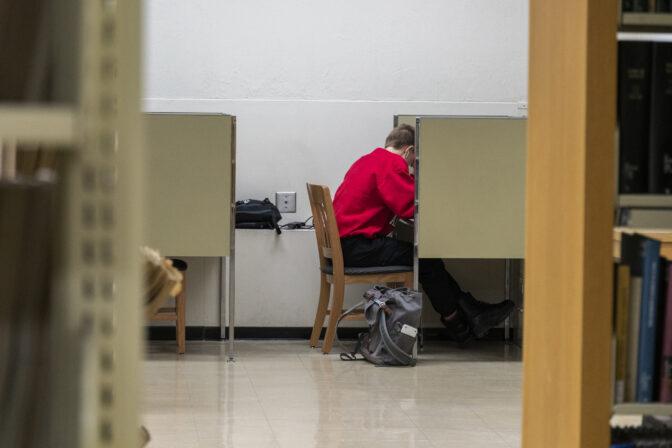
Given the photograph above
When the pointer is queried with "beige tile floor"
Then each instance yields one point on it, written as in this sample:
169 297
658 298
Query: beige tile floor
282 394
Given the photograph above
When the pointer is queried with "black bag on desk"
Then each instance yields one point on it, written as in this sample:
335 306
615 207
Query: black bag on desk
255 214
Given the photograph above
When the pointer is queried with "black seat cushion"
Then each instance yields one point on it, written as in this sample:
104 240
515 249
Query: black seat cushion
329 270
179 264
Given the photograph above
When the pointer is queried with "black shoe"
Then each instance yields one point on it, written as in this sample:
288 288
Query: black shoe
458 327
484 316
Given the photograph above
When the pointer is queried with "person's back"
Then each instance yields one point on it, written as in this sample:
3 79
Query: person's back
377 187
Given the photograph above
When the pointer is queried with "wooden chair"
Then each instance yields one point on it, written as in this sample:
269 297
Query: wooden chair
333 272
176 314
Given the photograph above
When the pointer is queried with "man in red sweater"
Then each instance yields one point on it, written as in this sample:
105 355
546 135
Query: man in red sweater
378 187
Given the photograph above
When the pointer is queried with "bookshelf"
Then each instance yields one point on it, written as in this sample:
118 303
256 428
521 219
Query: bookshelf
95 327
652 210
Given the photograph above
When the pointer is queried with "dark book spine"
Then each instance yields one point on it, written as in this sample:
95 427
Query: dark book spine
634 83
636 5
663 5
660 134
648 351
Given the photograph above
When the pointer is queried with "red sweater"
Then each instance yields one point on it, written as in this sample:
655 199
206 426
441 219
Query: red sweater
377 187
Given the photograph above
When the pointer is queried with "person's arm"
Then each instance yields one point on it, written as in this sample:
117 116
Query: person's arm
397 188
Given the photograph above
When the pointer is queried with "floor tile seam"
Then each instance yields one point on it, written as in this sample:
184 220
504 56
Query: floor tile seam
512 445
206 435
459 402
496 436
417 426
306 367
368 438
491 428
263 410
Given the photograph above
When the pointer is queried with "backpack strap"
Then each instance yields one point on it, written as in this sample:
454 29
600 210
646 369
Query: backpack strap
274 221
397 352
347 355
352 356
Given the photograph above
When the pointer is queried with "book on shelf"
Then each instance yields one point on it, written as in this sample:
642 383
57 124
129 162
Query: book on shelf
634 82
646 364
642 322
621 325
666 345
644 117
632 255
646 6
635 5
663 6
660 122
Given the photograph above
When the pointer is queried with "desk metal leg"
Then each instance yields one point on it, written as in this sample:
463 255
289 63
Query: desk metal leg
223 295
416 268
231 277
507 285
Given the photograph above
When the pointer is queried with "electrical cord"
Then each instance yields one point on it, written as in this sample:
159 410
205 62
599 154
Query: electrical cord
298 225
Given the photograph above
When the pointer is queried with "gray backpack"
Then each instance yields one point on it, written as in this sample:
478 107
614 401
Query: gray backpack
393 316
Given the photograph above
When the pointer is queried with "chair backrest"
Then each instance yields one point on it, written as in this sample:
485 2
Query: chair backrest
326 228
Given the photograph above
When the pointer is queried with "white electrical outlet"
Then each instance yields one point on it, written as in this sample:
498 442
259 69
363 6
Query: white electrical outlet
286 201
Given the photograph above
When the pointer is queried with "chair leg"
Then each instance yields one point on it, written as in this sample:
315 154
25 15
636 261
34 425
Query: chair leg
321 313
409 281
336 308
180 324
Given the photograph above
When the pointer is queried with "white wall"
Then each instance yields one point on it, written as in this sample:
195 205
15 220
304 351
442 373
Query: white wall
315 83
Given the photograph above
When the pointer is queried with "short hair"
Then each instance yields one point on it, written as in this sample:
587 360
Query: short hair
402 135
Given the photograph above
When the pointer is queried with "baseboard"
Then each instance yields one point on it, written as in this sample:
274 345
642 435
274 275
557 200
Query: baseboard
347 333
203 333
494 334
193 333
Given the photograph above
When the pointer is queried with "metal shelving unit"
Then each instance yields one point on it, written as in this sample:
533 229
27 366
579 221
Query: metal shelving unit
655 208
96 323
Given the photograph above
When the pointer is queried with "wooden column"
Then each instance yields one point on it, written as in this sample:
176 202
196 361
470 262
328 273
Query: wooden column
570 192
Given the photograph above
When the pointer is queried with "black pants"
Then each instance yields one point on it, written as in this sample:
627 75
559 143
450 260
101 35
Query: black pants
441 288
